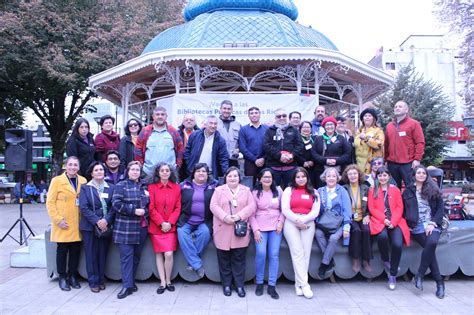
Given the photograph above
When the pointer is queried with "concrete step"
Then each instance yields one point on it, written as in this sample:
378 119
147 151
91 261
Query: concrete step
31 256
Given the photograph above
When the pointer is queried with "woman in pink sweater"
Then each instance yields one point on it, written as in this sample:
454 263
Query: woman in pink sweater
267 225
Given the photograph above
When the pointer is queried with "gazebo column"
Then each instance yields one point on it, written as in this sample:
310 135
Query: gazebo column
316 85
125 101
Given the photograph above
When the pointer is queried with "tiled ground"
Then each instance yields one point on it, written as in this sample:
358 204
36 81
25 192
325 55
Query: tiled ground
29 291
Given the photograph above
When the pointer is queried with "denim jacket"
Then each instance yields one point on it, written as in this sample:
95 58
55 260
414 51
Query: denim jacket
341 204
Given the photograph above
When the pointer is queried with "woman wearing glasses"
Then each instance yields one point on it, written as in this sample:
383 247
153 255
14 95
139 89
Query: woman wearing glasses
127 143
369 140
230 204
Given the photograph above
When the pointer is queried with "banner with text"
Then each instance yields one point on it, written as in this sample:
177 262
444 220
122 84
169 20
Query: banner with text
203 105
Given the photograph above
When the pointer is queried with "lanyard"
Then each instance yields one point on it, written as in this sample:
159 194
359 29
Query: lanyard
356 199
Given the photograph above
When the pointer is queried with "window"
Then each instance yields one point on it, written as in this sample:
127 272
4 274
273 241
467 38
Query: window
390 66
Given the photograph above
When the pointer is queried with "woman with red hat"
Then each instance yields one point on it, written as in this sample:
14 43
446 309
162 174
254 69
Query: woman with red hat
330 149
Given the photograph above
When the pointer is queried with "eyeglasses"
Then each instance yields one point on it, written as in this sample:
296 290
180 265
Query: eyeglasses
377 163
281 116
133 125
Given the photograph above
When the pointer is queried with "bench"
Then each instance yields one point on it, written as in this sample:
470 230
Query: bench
454 251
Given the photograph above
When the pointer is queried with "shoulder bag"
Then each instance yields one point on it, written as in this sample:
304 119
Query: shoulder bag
240 227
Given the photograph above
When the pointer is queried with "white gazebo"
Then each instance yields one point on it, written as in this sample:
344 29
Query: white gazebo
239 48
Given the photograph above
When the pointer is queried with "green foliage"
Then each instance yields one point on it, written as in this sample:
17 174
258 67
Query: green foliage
49 49
427 104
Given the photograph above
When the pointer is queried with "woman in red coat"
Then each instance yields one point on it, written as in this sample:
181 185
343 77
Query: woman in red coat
108 139
386 222
165 207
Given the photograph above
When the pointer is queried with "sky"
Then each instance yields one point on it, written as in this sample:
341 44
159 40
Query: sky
359 28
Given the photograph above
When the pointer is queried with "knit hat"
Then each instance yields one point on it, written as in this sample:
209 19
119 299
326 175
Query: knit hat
370 111
329 119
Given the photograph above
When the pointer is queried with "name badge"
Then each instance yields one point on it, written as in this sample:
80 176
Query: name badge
333 139
305 197
234 203
402 133
77 202
104 195
274 200
333 195
308 146
356 215
364 198
147 193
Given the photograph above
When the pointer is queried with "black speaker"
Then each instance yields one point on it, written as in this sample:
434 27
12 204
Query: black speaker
19 149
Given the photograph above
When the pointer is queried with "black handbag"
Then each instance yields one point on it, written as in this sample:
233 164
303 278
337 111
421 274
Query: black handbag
329 222
240 227
97 231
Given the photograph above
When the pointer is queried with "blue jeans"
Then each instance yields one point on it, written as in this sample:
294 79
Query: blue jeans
273 240
193 239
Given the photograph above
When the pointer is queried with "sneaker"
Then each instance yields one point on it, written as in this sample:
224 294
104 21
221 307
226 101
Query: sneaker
307 291
392 282
298 290
272 292
200 272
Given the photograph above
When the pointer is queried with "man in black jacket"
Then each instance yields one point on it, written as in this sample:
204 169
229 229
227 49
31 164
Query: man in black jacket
283 148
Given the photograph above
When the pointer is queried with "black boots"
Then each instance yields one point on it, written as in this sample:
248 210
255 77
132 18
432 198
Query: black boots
418 280
440 289
272 292
63 284
259 290
73 282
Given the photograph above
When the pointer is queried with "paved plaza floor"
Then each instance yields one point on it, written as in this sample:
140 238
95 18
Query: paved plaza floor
30 291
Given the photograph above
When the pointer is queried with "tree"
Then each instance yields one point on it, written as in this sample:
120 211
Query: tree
428 104
49 49
459 16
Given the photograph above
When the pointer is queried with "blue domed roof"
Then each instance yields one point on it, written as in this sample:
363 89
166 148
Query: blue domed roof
268 23
197 7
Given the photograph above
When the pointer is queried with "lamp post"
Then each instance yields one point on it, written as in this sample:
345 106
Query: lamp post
97 120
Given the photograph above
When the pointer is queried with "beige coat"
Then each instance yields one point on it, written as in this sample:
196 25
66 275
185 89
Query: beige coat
61 204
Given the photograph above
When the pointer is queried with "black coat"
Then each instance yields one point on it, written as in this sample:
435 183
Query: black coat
91 207
410 204
291 142
187 192
126 149
338 149
85 152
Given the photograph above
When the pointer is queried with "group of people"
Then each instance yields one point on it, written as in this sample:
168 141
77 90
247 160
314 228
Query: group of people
311 179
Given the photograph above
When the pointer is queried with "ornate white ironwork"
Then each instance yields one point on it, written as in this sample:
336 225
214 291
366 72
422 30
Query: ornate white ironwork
116 89
289 73
212 73
170 73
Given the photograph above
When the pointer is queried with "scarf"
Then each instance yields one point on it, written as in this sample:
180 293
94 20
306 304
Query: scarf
279 131
100 189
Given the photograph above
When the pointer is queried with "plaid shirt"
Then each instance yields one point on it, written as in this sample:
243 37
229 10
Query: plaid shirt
128 196
140 146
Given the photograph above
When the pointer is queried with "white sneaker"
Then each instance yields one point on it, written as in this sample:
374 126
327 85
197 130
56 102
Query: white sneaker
298 290
307 291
